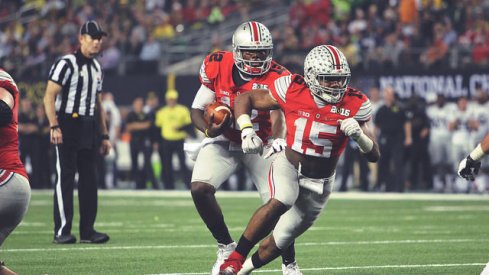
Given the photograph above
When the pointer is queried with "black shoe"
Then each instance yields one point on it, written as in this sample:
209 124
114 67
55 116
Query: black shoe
96 237
64 239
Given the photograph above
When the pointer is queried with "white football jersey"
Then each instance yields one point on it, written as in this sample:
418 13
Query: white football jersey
440 117
480 112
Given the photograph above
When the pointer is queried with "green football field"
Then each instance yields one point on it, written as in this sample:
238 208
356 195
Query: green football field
158 232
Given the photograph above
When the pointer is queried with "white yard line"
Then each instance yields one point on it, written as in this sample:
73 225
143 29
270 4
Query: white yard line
88 247
253 194
349 268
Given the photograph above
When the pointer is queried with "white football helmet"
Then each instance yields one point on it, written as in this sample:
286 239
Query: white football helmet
252 36
323 64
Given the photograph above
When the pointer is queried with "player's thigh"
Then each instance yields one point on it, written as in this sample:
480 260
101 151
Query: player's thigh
214 164
14 200
283 181
258 170
300 217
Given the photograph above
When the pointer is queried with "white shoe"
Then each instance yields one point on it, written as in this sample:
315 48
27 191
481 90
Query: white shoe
291 269
486 270
223 252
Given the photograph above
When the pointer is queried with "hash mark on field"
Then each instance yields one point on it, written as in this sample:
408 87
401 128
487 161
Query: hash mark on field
349 267
73 248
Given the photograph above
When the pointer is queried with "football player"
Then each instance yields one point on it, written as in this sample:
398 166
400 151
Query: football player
15 191
321 113
440 140
224 75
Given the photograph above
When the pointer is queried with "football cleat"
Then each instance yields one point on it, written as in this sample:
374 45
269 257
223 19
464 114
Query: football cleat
291 269
232 265
223 252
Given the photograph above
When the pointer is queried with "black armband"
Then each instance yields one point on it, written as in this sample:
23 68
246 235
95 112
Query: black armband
6 114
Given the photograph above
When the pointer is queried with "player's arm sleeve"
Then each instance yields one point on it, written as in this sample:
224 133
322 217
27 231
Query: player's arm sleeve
280 87
364 114
60 72
204 97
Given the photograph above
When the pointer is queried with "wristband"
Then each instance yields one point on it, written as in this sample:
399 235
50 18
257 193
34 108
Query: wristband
54 127
477 154
244 121
205 132
365 144
105 137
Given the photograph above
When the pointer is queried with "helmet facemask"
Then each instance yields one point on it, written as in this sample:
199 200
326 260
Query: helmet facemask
253 67
329 88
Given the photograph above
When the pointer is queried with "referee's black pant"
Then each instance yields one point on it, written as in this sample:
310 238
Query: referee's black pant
72 156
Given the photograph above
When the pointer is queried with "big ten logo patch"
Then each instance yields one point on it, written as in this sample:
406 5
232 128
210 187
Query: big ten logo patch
259 86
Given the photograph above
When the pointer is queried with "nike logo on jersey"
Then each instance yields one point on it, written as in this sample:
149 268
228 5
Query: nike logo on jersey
340 111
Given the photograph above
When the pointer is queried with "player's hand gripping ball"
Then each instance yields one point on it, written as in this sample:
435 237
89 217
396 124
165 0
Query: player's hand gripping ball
220 110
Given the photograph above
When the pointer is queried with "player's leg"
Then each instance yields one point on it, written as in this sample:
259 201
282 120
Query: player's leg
65 154
15 194
284 190
291 225
214 164
258 168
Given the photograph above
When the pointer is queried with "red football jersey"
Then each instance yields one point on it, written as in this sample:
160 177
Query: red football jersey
9 139
312 127
216 73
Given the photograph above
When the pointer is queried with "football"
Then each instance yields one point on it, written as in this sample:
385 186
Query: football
220 110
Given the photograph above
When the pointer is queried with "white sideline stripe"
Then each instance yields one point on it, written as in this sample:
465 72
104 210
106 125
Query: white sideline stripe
349 267
72 248
254 194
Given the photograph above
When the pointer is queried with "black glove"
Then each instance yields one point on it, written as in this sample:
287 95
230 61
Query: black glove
469 168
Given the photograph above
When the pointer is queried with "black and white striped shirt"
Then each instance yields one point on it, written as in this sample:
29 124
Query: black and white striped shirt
81 79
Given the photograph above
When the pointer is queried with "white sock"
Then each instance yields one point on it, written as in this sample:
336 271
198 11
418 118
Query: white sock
247 267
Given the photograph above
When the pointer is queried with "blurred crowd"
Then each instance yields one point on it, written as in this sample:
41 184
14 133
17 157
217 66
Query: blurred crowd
379 35
421 141
385 35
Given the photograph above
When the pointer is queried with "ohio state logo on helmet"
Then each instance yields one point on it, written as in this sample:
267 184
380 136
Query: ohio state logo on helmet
252 36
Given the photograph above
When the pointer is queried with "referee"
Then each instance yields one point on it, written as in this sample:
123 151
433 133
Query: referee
73 107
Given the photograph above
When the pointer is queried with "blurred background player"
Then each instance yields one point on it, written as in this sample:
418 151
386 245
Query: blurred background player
15 192
458 125
223 76
440 142
321 113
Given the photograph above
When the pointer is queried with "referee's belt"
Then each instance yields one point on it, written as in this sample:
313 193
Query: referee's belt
75 115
